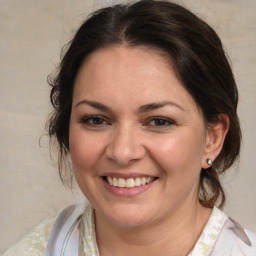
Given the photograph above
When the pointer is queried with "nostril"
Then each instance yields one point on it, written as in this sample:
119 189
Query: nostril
124 154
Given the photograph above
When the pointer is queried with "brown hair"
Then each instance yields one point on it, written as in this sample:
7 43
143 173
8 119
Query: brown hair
197 54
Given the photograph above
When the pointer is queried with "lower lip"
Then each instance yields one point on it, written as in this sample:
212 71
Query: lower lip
127 192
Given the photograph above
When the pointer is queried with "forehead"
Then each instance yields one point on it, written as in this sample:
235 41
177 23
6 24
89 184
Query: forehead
138 73
145 60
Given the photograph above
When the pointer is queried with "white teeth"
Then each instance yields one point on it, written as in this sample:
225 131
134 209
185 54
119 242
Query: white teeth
121 183
115 182
110 181
129 183
148 180
138 182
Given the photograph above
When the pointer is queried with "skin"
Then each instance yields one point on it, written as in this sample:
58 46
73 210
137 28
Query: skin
115 131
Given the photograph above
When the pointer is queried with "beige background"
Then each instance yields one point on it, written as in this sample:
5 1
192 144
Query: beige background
31 36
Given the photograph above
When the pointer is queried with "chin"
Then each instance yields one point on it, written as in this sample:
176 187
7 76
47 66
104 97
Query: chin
126 216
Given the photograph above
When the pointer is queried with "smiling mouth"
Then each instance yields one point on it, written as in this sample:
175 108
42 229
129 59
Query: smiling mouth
128 183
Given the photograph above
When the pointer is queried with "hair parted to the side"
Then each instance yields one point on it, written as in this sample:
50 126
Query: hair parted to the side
198 57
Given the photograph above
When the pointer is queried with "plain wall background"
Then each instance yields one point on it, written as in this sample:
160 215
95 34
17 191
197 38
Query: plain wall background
32 34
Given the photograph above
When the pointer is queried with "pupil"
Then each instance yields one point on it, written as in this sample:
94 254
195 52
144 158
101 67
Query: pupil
160 122
97 121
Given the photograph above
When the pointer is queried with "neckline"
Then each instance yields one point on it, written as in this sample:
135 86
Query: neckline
210 233
88 245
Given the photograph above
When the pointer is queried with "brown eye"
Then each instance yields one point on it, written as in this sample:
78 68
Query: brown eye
94 121
160 122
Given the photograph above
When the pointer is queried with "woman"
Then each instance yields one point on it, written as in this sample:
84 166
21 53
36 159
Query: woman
145 106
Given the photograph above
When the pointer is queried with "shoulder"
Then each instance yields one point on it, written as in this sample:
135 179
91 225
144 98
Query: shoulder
49 234
235 240
35 242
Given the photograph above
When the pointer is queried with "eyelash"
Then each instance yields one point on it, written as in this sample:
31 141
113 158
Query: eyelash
100 121
167 122
93 121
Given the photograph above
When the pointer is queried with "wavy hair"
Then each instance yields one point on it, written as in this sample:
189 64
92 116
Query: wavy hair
198 57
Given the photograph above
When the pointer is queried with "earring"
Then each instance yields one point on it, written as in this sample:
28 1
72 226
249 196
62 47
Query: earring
209 161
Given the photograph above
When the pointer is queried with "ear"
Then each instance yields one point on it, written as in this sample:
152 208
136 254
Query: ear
215 138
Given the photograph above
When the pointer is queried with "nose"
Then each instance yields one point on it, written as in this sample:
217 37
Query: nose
125 146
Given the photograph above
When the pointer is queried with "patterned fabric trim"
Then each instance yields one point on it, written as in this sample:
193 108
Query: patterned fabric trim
221 236
35 242
235 240
87 244
210 233
204 246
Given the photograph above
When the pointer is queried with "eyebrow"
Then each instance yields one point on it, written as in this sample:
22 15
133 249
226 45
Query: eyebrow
153 106
94 104
143 108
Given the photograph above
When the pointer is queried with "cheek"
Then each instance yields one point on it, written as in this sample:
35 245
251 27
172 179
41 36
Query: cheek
180 153
84 149
171 155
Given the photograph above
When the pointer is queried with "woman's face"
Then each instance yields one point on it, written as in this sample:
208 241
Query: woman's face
137 138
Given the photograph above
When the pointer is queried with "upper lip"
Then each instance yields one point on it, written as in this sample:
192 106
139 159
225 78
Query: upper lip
127 175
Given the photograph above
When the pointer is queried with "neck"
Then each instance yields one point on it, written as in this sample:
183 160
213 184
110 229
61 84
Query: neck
174 236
